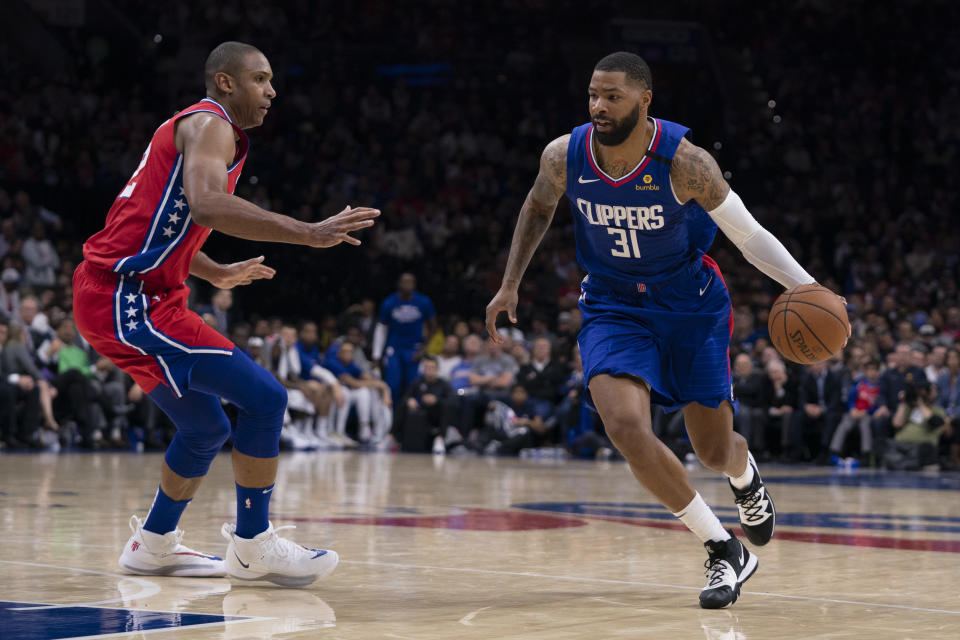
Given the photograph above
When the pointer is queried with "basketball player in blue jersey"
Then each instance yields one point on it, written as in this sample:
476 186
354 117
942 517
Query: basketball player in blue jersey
656 312
407 319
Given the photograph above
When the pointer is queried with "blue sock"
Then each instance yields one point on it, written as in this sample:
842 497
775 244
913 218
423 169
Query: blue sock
253 508
165 513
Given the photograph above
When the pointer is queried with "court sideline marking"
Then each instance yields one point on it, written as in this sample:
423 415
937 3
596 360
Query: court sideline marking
527 574
147 587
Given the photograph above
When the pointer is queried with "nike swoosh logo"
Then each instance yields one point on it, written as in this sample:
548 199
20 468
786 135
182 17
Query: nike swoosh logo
706 285
741 556
268 490
246 566
582 181
320 552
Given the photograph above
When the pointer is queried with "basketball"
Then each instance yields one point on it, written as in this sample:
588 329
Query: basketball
808 323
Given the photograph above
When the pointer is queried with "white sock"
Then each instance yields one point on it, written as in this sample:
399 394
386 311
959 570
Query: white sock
742 482
323 426
702 521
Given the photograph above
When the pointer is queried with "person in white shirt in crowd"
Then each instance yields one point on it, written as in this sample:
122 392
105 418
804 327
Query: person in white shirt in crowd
449 358
370 397
40 258
310 399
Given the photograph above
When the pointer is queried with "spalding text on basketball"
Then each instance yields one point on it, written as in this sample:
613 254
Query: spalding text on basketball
801 345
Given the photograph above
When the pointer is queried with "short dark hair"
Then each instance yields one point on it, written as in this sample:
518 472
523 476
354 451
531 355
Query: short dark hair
432 359
631 64
227 58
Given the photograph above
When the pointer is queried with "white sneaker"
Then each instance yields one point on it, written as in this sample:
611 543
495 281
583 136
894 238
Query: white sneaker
151 554
269 557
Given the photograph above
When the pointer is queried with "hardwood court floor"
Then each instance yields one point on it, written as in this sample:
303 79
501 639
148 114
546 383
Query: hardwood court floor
481 548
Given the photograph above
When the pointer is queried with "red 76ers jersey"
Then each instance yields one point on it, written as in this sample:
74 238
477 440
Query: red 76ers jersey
149 233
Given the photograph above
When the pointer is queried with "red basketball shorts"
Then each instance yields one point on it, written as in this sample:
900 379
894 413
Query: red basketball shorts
151 335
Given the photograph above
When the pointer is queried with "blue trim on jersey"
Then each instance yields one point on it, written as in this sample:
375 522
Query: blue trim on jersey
164 234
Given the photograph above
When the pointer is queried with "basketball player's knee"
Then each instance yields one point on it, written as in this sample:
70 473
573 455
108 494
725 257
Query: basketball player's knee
258 427
192 450
714 455
274 397
623 424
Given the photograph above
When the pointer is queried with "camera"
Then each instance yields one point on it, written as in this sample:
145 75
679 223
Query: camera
910 394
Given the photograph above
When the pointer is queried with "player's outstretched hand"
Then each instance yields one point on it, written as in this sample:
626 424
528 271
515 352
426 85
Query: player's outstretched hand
240 273
505 300
337 229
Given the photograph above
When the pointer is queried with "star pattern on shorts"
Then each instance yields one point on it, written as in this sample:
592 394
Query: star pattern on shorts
131 298
168 232
131 325
131 312
174 218
179 204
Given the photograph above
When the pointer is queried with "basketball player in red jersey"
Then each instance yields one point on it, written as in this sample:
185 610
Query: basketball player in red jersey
130 304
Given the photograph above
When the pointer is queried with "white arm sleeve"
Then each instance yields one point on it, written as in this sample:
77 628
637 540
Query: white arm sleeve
323 375
379 340
759 246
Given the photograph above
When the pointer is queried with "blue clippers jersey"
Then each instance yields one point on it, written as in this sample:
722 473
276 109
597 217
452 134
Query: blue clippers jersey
633 228
404 319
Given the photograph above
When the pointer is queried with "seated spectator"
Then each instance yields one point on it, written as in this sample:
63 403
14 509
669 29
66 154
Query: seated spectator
19 403
748 387
35 324
219 309
820 408
308 347
9 294
310 393
354 336
494 372
69 362
18 360
781 394
892 381
577 423
420 416
371 398
460 373
40 258
513 426
919 424
860 407
449 358
542 377
948 397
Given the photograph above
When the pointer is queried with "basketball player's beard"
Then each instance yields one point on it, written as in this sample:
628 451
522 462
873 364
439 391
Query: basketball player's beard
620 130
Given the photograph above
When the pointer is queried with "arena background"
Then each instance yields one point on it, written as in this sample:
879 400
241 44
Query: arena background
836 122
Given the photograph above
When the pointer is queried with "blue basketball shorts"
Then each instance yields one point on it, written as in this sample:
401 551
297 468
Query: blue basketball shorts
675 335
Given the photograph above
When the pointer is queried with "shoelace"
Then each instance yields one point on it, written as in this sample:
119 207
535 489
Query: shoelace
750 505
714 571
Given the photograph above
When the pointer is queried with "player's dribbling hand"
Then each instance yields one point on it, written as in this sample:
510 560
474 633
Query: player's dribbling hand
337 229
505 300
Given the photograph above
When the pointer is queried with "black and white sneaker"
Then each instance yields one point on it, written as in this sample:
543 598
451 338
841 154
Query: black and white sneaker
728 565
758 517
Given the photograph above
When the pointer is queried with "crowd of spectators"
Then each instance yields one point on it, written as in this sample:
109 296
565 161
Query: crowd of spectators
837 131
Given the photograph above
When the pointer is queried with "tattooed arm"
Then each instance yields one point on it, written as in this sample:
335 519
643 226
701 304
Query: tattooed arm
695 175
535 217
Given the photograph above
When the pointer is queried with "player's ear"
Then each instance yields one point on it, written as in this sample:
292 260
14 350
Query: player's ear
646 98
224 82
